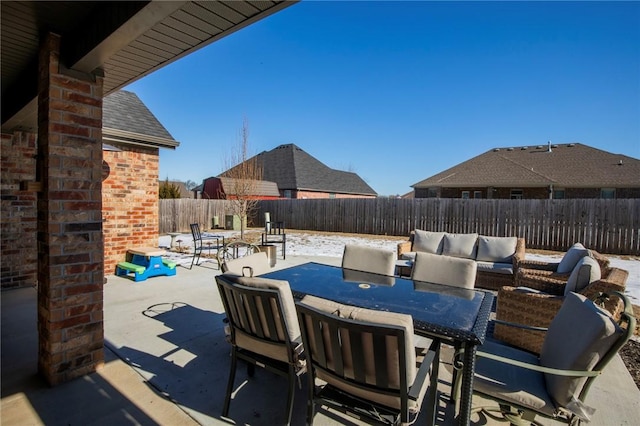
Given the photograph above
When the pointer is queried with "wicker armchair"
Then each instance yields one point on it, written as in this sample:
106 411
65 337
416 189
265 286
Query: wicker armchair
537 309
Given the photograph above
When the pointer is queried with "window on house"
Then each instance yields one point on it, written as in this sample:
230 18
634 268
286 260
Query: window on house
477 194
332 195
465 195
608 193
558 194
432 193
286 193
516 194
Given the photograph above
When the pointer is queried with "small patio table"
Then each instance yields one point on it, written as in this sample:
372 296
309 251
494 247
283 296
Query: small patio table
450 314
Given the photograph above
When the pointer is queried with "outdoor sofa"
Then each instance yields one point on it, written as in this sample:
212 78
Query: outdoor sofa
497 258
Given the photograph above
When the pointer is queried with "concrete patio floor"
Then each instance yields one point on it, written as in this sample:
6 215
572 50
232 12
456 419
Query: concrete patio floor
166 362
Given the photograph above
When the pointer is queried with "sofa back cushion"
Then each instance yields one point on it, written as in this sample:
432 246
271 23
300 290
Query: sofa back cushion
586 271
428 241
571 258
496 249
460 245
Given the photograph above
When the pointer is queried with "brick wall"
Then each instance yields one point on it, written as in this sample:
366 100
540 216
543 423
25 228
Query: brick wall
18 248
129 202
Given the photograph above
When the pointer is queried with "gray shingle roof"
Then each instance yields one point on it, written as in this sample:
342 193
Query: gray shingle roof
571 165
292 168
127 117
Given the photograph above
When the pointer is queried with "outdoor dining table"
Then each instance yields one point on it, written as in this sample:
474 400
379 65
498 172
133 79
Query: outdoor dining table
448 314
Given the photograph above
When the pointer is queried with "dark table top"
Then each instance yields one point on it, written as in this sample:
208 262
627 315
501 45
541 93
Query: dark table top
442 311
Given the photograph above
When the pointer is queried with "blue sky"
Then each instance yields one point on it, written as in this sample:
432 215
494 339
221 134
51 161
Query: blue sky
399 91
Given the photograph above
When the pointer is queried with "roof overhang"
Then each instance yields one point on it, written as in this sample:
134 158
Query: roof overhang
126 39
137 139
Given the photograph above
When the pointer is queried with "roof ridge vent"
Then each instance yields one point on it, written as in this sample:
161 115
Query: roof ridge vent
524 147
496 149
509 149
549 146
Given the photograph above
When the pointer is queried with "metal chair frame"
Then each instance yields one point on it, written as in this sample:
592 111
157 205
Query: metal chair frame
244 307
199 241
274 233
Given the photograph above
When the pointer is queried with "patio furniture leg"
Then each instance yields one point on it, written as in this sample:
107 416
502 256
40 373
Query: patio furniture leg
292 389
232 377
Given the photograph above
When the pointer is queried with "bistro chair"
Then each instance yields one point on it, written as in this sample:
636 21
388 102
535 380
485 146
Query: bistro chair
274 233
445 270
369 259
579 343
263 330
199 241
366 362
252 265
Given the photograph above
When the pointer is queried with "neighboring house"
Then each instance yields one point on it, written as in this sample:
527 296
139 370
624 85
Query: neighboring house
222 188
299 175
570 170
184 192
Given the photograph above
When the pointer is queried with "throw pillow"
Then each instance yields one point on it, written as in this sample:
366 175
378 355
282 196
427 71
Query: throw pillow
496 249
460 245
571 257
428 241
586 271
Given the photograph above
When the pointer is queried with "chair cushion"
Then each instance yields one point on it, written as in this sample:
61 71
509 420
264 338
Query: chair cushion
376 317
369 259
411 255
446 270
496 249
586 271
258 262
578 337
460 245
288 305
428 241
571 258
508 382
495 267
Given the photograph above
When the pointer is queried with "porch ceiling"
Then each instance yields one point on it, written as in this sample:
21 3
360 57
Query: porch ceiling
127 39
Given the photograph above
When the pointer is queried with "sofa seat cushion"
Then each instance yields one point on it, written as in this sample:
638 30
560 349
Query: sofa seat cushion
495 267
496 249
427 241
460 245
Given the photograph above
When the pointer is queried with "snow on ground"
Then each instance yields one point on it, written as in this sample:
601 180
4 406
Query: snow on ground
311 244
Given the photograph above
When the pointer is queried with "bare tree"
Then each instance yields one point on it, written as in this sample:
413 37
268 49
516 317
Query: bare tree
243 177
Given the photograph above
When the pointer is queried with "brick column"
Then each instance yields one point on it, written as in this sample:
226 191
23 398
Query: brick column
70 244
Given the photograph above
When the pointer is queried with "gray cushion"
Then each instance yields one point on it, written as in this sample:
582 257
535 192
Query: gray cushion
369 259
579 336
509 382
428 241
446 270
586 271
460 245
571 258
495 267
496 249
288 305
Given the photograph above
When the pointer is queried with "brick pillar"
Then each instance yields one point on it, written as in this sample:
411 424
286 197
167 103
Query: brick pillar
70 245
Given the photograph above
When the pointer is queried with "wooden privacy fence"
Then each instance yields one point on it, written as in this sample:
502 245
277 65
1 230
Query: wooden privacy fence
608 226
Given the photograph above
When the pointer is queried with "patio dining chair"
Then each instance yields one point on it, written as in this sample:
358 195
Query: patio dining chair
199 241
369 259
366 362
274 233
579 343
263 330
445 270
251 265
